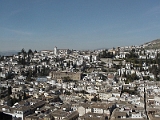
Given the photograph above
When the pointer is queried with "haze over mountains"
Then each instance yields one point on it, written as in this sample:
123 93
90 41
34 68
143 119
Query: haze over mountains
8 53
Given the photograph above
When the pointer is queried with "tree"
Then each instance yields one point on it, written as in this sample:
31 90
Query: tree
95 99
75 65
23 59
9 90
44 71
13 101
132 92
0 69
35 51
10 75
154 70
1 58
23 51
20 97
67 93
24 96
66 79
90 58
34 73
30 52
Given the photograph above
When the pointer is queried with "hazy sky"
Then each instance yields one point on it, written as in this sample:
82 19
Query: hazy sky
77 24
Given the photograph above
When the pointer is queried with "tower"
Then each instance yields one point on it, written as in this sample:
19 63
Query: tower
55 50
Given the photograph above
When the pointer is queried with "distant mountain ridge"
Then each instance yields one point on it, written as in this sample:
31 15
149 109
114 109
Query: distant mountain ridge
8 53
154 44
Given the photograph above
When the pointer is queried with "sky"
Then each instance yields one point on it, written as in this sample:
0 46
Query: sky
77 24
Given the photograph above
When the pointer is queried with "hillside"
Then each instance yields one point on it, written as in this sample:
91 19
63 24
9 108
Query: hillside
155 44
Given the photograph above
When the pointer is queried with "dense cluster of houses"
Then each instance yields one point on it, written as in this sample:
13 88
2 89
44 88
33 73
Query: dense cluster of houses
65 84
